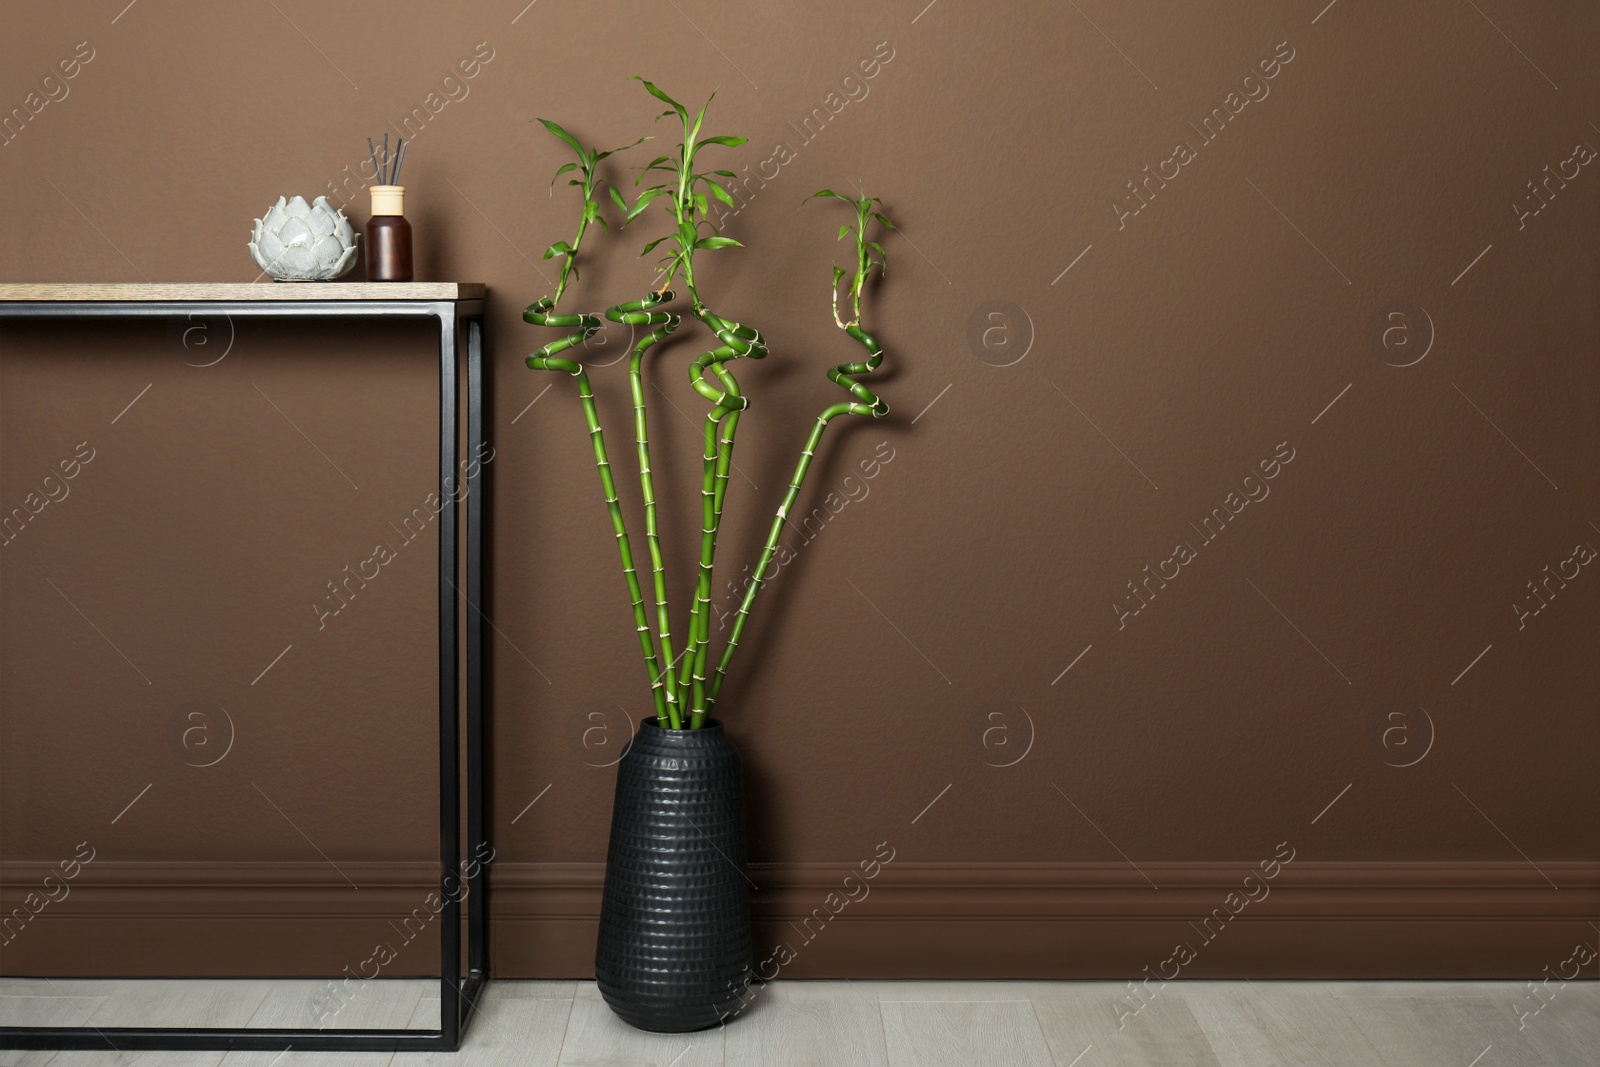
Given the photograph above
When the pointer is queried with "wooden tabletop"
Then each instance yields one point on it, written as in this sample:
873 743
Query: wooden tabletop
242 292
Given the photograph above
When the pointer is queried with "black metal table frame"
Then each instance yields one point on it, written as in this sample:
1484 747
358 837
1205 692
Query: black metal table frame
457 995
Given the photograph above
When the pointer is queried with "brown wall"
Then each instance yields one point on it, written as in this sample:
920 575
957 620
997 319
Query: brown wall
1142 367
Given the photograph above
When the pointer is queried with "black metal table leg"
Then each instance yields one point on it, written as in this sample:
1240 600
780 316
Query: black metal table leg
451 889
477 824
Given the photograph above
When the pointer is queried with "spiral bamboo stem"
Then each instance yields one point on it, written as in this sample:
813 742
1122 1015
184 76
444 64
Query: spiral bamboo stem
722 423
865 402
639 313
546 358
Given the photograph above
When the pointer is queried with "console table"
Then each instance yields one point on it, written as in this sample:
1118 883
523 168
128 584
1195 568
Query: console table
457 307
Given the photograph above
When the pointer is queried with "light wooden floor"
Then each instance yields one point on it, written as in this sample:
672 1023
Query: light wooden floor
879 1024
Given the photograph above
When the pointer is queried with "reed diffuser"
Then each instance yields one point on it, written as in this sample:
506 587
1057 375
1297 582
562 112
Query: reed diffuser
388 232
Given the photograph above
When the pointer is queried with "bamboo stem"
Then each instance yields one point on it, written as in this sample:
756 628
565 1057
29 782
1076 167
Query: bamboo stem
866 404
738 341
546 359
637 313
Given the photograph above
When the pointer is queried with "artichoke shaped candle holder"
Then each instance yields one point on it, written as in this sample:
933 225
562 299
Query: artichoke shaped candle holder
300 242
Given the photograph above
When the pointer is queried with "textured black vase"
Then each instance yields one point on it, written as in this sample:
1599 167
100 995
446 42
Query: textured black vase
674 947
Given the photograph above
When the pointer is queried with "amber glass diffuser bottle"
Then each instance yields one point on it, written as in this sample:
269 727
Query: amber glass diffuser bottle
388 236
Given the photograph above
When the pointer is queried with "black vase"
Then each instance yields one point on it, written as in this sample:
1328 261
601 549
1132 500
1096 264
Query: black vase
674 949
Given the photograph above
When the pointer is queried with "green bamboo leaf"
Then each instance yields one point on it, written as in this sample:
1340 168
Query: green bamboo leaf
560 248
652 245
611 152
842 231
717 242
726 142
838 272
663 97
827 192
644 201
721 194
885 222
725 173
617 199
698 119
564 135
